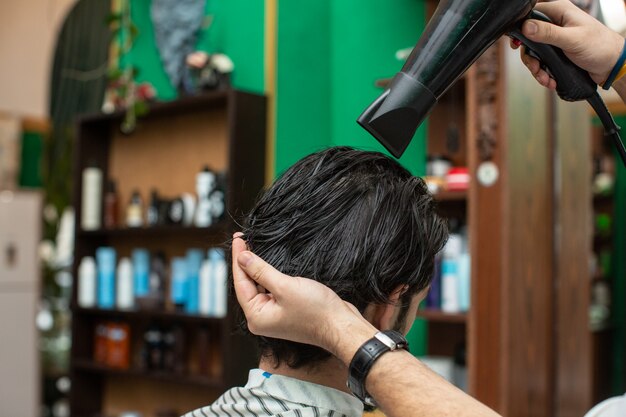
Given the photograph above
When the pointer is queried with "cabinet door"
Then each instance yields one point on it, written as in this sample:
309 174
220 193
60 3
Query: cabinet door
20 231
19 359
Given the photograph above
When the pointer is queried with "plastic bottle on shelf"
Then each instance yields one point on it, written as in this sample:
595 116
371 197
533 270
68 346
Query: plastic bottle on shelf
205 183
178 290
205 288
91 202
157 277
450 274
134 211
194 262
141 272
111 206
152 214
87 282
464 270
220 282
106 259
125 287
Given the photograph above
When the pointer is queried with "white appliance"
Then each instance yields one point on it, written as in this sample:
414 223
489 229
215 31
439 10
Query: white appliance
20 233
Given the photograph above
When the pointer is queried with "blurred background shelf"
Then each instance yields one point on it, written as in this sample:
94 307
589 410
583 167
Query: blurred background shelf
149 315
439 316
87 366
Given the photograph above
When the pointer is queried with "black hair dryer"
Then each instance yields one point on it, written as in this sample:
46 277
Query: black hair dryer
456 36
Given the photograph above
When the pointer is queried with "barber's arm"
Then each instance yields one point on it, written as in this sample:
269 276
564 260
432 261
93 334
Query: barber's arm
586 42
305 311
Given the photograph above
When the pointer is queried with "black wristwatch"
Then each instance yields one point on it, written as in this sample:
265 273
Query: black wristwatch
365 357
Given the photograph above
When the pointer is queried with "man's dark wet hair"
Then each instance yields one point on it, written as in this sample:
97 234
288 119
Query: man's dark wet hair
355 221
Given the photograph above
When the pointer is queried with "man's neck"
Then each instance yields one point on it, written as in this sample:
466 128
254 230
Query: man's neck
331 373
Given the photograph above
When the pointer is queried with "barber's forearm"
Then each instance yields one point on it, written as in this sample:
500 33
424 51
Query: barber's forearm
404 386
401 384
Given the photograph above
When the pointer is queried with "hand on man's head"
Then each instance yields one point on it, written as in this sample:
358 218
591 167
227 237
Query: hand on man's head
292 308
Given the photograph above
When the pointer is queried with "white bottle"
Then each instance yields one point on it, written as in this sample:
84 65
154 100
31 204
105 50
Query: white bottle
87 282
205 183
206 290
125 288
91 204
450 275
220 282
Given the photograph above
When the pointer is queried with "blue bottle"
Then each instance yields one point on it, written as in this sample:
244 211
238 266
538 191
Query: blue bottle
106 262
141 272
194 263
179 285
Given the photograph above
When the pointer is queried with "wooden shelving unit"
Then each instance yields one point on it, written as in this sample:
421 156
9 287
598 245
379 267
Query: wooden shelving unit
224 130
530 351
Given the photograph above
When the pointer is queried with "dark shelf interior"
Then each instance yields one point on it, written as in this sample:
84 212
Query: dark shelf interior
147 315
87 366
157 231
452 196
442 317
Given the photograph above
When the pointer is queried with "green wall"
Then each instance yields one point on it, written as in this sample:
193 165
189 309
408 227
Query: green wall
237 29
366 34
330 53
303 80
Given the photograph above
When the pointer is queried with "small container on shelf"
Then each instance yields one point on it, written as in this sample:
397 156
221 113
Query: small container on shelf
134 211
458 179
111 206
112 345
118 346
91 203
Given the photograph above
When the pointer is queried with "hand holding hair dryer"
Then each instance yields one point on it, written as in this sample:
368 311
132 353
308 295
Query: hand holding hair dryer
459 32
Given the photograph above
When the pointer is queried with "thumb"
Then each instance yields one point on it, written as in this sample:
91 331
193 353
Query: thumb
260 271
544 32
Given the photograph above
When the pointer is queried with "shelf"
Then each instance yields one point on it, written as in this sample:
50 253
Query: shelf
156 231
441 317
225 130
600 240
84 365
144 315
603 198
456 196
166 108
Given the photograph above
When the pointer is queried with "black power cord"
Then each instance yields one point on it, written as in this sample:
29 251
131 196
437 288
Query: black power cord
611 129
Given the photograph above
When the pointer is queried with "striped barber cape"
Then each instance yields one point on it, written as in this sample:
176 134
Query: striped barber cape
268 395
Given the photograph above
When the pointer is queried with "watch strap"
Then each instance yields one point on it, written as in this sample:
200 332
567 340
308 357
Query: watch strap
365 357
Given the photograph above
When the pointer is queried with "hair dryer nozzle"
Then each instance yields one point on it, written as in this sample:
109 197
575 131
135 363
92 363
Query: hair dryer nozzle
395 116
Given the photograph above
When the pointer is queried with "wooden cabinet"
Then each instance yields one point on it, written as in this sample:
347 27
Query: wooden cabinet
224 130
530 350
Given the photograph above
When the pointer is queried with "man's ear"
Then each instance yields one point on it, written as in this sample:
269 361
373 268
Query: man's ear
383 316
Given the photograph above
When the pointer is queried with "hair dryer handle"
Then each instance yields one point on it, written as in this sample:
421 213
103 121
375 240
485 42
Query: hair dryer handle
572 82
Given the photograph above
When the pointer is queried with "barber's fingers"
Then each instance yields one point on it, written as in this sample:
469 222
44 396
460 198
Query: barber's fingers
561 12
261 272
245 288
540 75
567 39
